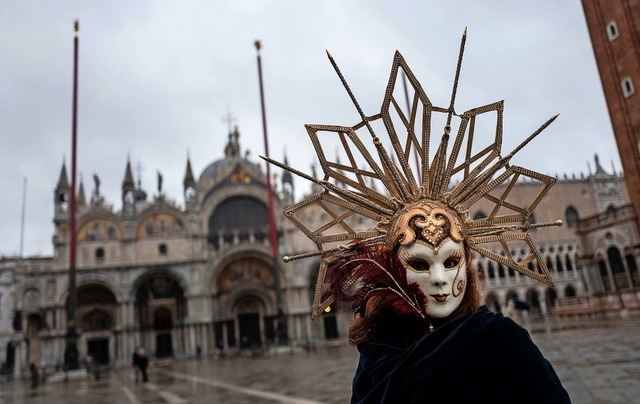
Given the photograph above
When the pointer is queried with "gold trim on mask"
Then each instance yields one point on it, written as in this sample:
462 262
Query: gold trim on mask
428 221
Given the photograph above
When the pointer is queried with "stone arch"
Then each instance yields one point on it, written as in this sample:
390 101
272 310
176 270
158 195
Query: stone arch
568 261
571 216
604 273
549 263
249 311
490 271
35 324
248 293
550 297
95 300
89 279
559 263
510 295
155 289
96 317
533 300
570 291
617 266
160 309
501 273
152 272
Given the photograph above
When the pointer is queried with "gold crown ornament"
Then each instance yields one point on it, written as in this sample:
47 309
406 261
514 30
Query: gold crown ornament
431 203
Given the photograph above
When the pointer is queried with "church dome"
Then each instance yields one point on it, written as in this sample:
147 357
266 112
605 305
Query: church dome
232 161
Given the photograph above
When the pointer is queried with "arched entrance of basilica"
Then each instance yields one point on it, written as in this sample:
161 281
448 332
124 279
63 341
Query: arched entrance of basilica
248 311
246 299
97 315
160 310
162 326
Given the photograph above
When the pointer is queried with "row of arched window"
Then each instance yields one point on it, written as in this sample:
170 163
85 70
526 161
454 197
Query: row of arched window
555 264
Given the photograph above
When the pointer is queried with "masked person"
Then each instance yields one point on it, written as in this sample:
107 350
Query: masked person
419 324
440 346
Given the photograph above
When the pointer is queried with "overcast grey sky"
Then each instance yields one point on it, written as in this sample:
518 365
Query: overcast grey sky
156 79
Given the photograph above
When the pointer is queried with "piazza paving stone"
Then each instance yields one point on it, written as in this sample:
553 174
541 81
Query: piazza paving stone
598 361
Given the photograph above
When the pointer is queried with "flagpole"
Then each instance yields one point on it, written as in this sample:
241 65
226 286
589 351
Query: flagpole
24 207
281 329
71 361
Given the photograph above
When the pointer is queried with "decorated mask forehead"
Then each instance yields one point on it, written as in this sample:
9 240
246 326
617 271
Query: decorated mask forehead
429 221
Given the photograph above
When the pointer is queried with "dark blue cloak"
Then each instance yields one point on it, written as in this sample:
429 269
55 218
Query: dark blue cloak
481 358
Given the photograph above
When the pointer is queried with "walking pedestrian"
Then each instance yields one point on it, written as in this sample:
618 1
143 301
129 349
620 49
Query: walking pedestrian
34 375
140 363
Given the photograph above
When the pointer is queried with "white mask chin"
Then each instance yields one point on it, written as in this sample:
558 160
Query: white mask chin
441 274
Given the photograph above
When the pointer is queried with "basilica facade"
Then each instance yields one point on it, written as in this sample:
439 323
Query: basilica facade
199 277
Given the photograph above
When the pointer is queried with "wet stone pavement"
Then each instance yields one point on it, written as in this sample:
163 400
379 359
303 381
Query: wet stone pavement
598 361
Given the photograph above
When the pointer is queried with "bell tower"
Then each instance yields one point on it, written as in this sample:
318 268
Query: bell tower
614 28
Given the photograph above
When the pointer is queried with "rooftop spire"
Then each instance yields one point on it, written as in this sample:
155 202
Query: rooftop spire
188 175
128 181
63 180
82 200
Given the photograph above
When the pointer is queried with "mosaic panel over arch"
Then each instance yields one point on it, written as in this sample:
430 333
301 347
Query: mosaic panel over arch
161 224
100 229
245 271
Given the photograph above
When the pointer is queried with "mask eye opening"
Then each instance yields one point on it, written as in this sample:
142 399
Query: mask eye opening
419 265
452 262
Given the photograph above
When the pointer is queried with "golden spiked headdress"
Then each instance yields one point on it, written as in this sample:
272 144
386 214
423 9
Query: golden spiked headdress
428 193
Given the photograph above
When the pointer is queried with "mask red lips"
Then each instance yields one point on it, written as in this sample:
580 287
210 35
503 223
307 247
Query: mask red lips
440 298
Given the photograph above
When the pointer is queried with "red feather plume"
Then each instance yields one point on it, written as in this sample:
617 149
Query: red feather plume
378 274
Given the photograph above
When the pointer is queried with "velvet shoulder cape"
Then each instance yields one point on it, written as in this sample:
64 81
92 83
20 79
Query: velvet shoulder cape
484 357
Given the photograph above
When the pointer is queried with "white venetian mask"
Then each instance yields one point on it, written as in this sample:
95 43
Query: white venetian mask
441 274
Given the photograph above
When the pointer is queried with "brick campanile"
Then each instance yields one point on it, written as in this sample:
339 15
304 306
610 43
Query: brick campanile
614 27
